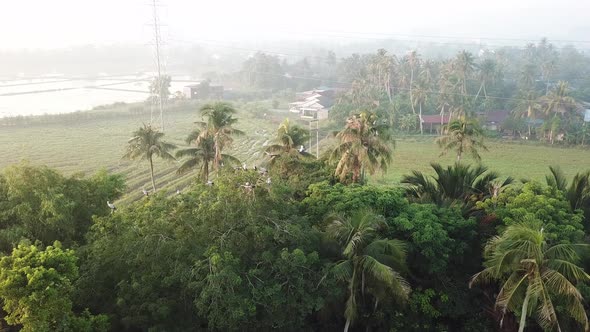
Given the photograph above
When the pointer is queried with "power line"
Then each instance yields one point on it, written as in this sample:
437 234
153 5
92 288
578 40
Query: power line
405 40
454 37
315 34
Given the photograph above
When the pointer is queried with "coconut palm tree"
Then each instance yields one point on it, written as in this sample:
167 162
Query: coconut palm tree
420 97
370 263
458 183
534 275
429 72
445 97
529 107
381 69
558 101
463 67
145 144
527 76
203 153
364 145
546 55
219 125
414 64
289 138
487 74
578 191
463 136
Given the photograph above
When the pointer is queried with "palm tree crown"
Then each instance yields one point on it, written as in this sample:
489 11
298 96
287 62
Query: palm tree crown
534 276
463 67
219 125
364 145
558 101
456 183
578 191
145 144
463 136
288 138
528 107
487 74
202 154
370 263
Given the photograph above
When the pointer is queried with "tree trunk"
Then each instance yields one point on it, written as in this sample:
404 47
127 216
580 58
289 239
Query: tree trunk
412 83
388 87
523 313
442 117
529 131
347 325
421 125
478 91
206 171
152 173
217 155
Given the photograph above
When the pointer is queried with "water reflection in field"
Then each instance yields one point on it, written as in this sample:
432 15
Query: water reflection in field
60 94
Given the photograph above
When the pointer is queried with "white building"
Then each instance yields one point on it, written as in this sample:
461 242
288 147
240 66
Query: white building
313 104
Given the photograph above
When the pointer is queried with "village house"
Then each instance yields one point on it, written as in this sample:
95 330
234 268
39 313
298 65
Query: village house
493 120
434 123
203 90
313 104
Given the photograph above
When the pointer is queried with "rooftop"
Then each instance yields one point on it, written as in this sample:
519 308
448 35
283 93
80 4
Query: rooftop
435 119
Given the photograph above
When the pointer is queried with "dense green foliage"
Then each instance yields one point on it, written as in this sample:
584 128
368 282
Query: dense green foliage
37 286
274 256
42 205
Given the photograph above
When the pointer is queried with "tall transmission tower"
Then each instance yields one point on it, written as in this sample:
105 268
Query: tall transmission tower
157 46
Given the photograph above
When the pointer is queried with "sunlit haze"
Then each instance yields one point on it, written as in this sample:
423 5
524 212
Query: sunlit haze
63 23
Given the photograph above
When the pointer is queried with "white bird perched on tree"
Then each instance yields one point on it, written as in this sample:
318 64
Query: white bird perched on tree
244 167
177 191
268 181
209 183
247 187
111 206
145 192
301 149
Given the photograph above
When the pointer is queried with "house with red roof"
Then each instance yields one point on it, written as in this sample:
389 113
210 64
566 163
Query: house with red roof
434 123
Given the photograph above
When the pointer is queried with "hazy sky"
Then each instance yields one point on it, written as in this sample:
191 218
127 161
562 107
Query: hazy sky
61 23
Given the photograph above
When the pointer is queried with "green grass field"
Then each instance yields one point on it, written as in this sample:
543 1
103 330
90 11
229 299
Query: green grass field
99 142
509 158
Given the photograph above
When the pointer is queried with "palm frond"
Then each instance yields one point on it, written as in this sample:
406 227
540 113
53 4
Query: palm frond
342 271
556 179
188 165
